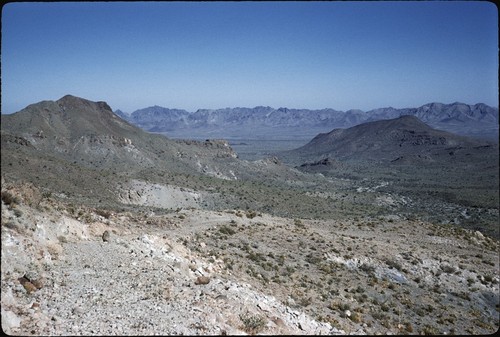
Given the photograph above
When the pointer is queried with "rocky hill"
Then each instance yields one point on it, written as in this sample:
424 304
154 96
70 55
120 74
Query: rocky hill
477 120
74 145
89 132
408 157
388 140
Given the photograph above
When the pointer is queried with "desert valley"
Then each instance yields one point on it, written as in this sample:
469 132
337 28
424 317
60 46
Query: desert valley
249 221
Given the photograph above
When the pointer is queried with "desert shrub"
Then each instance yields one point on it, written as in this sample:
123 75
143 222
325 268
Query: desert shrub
298 223
11 225
429 330
256 257
62 239
448 268
54 250
384 307
367 268
251 214
104 213
355 317
488 279
252 324
408 327
491 263
393 264
10 199
313 259
227 230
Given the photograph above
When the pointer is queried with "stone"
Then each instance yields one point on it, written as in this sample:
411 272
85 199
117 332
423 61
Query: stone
105 236
38 283
27 285
9 321
202 280
264 307
78 311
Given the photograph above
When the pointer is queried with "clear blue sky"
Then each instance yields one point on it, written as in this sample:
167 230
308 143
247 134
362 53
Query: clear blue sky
191 55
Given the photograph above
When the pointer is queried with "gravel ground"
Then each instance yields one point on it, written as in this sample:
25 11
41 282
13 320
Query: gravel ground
136 283
71 270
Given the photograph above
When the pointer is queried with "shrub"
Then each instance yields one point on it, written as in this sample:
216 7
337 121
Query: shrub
393 264
298 223
104 213
367 268
252 324
355 317
448 268
227 230
251 214
9 199
429 330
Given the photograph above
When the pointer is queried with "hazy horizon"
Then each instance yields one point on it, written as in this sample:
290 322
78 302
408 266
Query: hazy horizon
213 55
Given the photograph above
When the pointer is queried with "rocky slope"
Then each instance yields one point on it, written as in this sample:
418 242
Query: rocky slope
388 140
76 129
236 272
137 280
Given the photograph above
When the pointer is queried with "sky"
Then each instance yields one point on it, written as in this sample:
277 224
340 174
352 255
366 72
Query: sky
208 55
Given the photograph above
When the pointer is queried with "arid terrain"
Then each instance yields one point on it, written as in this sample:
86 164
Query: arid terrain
110 230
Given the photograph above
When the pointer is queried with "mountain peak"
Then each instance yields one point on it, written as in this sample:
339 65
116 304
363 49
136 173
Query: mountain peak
75 102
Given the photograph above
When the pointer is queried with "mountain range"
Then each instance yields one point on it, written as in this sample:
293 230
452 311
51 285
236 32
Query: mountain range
479 120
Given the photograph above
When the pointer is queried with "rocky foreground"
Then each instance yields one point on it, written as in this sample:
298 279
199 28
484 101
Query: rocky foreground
68 269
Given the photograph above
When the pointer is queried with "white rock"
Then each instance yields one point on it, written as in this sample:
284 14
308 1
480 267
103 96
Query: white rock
9 321
7 298
263 306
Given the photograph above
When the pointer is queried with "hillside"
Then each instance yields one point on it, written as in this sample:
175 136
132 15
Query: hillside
387 140
79 150
404 156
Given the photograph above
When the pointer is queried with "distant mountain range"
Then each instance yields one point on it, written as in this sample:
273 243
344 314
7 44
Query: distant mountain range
479 120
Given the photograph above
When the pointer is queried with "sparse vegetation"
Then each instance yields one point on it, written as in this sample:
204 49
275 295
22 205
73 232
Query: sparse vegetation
9 198
252 324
